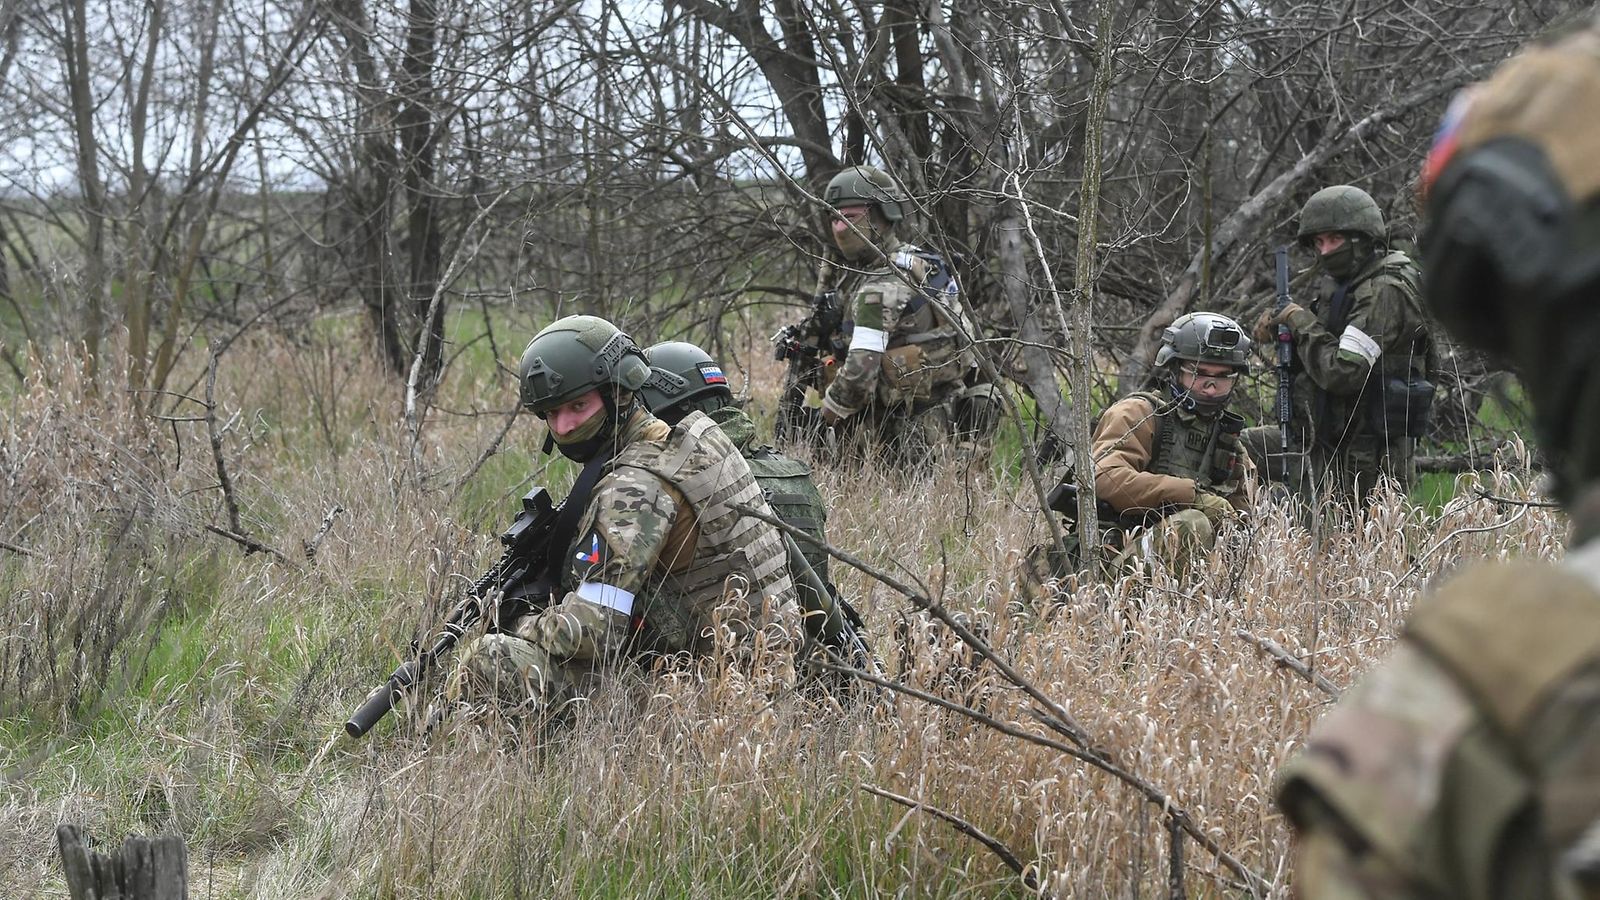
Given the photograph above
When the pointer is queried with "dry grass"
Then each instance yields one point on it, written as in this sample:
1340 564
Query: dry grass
154 677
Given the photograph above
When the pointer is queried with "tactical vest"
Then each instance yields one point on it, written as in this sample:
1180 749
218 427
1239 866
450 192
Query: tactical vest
794 498
925 356
695 459
1189 446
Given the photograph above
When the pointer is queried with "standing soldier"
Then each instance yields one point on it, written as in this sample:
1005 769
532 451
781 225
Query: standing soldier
1468 764
659 556
1362 358
1169 467
907 373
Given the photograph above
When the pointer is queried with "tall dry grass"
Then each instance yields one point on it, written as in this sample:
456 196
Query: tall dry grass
155 677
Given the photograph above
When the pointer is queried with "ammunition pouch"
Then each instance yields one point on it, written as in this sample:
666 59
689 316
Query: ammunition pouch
904 372
1400 407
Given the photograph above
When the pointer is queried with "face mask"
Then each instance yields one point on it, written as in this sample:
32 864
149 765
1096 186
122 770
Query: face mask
582 443
1347 260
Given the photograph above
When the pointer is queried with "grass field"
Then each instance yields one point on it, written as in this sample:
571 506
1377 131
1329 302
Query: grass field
154 677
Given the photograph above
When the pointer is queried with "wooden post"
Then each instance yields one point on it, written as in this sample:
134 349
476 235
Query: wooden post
146 869
1175 889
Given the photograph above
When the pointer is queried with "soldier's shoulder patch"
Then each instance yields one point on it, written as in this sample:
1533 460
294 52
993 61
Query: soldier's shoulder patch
589 550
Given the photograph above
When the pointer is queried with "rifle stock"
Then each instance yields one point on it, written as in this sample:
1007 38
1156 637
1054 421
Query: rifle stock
518 582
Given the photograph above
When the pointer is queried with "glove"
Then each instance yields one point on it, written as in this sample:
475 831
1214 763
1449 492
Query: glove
1266 330
1216 508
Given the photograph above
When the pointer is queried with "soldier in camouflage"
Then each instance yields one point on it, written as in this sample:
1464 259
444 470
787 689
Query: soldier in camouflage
908 374
1468 764
1168 462
685 379
1362 358
663 561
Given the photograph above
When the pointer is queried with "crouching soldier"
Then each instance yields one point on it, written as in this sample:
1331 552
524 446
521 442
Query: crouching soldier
658 560
1169 467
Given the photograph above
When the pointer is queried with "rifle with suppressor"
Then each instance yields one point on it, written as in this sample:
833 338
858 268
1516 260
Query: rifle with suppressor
1285 354
518 583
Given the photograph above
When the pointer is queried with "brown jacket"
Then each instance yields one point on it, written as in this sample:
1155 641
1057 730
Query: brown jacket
1124 444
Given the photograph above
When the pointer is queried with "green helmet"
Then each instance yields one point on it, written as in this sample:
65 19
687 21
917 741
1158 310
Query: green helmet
1342 208
682 374
575 355
867 186
1204 337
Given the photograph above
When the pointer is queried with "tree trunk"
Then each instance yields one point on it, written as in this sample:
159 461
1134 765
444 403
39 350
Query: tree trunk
145 869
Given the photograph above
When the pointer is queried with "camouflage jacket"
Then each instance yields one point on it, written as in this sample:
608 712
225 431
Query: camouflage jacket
1468 763
1125 446
660 544
903 348
1343 343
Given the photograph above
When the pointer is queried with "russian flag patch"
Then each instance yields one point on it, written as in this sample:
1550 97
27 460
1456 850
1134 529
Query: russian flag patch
711 373
591 554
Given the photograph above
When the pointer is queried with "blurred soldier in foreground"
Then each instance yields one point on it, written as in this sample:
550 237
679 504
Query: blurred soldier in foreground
660 560
1468 764
906 380
1362 359
1169 468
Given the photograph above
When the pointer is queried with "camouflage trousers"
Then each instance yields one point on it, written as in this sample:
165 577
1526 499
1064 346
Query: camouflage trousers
1178 541
907 437
1346 474
552 658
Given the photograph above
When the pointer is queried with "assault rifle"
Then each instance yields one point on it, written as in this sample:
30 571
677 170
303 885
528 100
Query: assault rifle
803 346
517 584
1285 357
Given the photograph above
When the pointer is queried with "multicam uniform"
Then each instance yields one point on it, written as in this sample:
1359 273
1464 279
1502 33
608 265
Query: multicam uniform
1352 337
663 558
1468 762
906 361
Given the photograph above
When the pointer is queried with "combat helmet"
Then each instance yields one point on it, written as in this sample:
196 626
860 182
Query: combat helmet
867 186
1204 337
1511 244
1201 337
683 377
577 354
1342 208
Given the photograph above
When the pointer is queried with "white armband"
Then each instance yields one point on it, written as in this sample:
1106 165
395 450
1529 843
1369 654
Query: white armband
605 595
868 339
1356 342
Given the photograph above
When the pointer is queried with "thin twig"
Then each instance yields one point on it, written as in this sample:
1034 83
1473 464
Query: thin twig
1255 884
1290 661
20 551
1512 501
1476 529
1069 725
1052 715
322 532
494 447
1029 877
216 449
250 544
